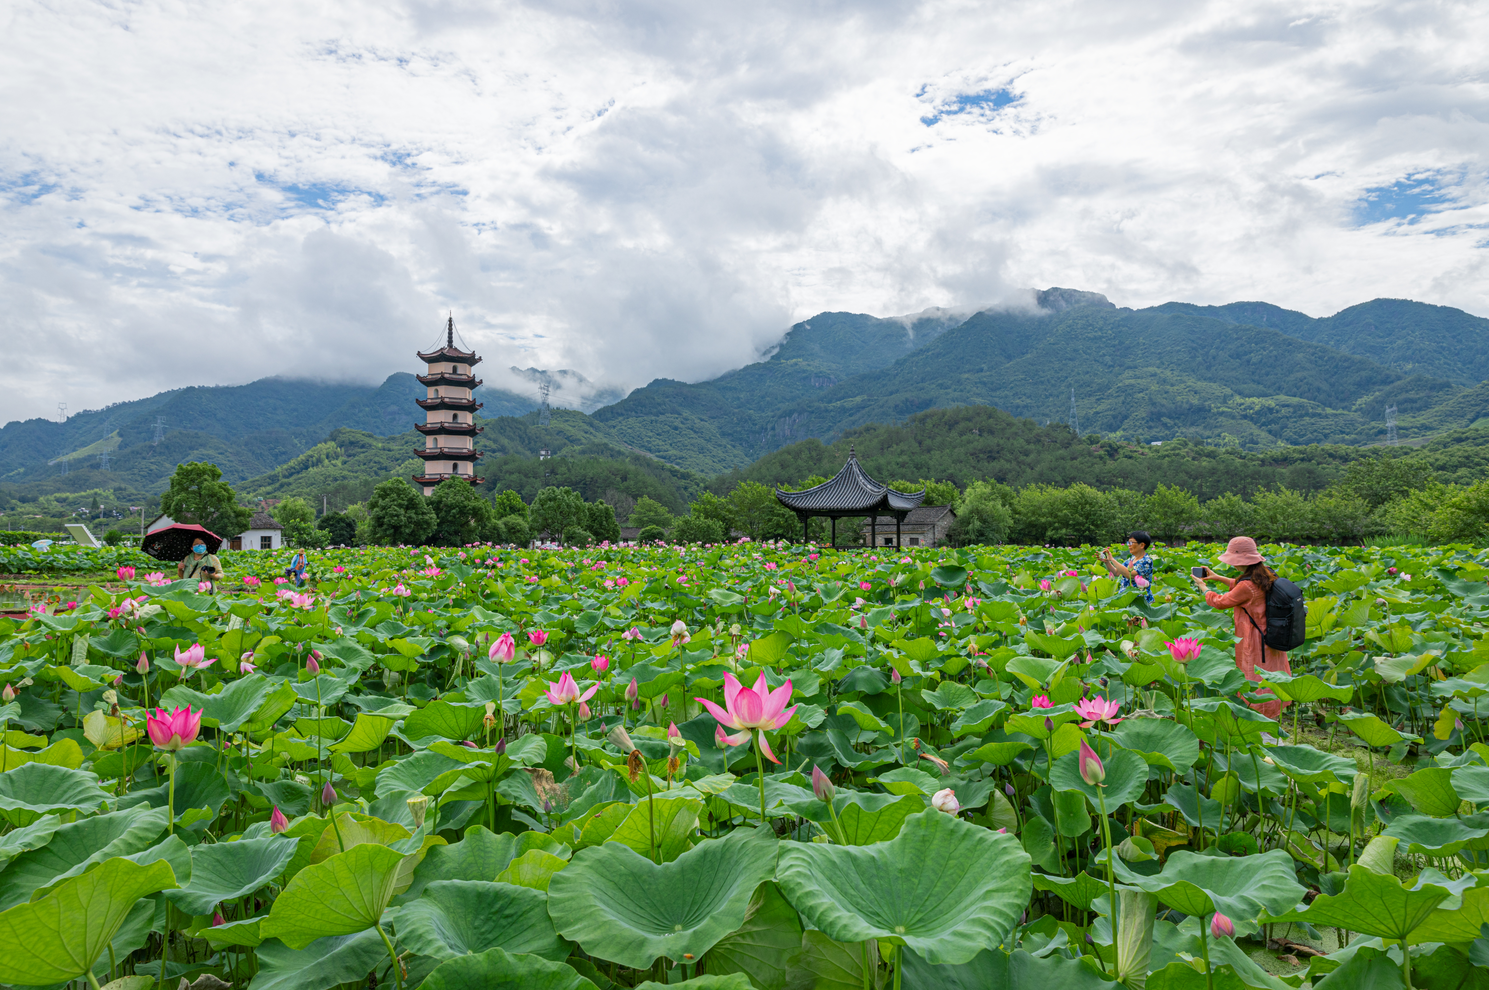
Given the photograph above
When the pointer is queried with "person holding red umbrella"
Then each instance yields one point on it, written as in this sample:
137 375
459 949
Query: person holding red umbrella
200 565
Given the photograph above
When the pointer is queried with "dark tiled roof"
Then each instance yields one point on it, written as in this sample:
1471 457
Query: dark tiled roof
926 515
262 520
851 490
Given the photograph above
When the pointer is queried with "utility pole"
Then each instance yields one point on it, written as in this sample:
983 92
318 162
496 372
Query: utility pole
1391 425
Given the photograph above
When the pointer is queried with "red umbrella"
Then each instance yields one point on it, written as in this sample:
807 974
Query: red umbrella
174 542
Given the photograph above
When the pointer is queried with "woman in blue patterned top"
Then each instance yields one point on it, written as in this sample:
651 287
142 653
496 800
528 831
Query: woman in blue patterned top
1138 569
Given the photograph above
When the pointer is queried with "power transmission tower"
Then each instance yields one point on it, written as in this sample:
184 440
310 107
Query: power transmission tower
62 412
159 430
1075 420
1391 425
103 460
543 410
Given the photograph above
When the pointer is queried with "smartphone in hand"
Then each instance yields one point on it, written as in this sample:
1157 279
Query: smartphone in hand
1198 572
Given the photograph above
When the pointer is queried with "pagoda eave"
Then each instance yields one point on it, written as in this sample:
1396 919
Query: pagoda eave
449 402
449 354
429 480
449 454
450 379
448 429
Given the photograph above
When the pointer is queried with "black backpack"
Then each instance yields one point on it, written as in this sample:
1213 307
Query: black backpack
1287 616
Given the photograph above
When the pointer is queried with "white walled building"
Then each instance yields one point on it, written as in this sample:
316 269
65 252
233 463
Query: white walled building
263 533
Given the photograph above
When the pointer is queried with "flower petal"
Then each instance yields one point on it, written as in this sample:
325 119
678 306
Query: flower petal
765 748
731 688
777 699
749 709
779 722
725 718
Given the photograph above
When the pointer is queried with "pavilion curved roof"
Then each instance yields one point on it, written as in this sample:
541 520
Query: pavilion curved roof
850 491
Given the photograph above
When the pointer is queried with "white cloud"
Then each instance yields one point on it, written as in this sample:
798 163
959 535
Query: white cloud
222 191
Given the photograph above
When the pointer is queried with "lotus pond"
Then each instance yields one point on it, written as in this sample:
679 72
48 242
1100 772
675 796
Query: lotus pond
770 767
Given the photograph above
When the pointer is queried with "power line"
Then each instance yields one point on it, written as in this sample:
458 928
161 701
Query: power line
543 410
159 430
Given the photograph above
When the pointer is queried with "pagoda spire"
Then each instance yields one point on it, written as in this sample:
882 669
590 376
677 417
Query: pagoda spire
450 332
449 426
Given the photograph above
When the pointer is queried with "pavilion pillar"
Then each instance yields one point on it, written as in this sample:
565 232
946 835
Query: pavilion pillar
834 532
897 541
874 530
804 521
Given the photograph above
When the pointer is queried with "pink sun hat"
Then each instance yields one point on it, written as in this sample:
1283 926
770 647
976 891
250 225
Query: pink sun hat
1241 551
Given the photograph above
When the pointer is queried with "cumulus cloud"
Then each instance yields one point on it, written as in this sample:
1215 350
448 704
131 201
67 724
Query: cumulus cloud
660 189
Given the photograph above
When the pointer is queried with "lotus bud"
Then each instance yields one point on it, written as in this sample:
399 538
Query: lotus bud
1049 724
418 806
894 676
719 738
822 785
8 694
277 822
1221 926
218 919
501 747
328 795
945 800
622 739
675 740
584 712
1008 789
600 664
1359 794
1091 768
143 666
632 691
312 666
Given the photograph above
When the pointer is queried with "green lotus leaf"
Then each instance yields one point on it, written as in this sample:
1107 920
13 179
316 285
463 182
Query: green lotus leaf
994 969
77 846
949 576
1306 688
234 933
733 981
1433 836
341 896
1196 809
1374 732
228 709
1160 742
762 947
1079 891
441 718
1312 766
999 754
1462 924
1240 887
32 836
455 917
330 962
496 969
65 931
1372 904
224 871
671 824
620 906
827 965
481 855
857 825
978 718
770 650
426 772
942 886
1429 790
950 695
1126 776
367 733
534 868
36 789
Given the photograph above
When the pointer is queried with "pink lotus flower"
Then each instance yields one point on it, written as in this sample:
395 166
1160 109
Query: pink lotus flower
1140 581
504 649
537 637
126 573
203 587
600 664
1184 649
115 612
632 693
945 800
894 676
622 582
1091 768
313 665
770 566
338 569
1098 709
281 580
277 822
246 664
1041 701
175 731
156 579
195 656
566 691
1221 926
251 581
864 586
1044 585
752 710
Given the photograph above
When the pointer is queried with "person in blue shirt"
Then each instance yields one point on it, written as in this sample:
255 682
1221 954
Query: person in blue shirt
297 568
1137 570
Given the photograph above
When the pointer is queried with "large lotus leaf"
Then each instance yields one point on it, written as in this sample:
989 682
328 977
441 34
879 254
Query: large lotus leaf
1429 790
1312 766
441 718
64 932
823 964
1239 887
345 894
534 868
1463 924
367 734
859 826
733 981
1160 742
1472 784
1126 776
994 969
1079 891
1372 904
198 785
1372 730
942 886
481 855
425 772
1195 808
620 906
33 836
77 846
229 708
353 830
223 871
1000 753
670 824
762 947
455 917
496 969
36 789
1306 688
329 963
1433 836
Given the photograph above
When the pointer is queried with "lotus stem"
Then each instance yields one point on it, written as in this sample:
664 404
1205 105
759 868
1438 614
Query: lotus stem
760 772
397 969
1204 948
651 813
170 809
1111 875
93 980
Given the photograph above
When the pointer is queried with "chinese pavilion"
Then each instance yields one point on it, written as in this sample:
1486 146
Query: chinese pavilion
449 425
851 493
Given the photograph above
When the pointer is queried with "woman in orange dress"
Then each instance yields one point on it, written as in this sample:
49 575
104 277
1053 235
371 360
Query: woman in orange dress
1248 597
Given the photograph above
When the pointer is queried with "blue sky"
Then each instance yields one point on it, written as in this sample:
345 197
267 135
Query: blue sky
660 188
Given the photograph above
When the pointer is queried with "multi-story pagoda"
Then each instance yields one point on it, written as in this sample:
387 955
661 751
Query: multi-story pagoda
449 425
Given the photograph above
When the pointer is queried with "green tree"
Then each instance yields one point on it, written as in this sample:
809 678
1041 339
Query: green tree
759 514
509 503
650 512
982 519
556 509
1463 515
198 495
1379 479
1169 513
297 516
1225 517
397 514
936 492
578 536
651 534
514 529
697 529
1282 516
720 510
339 527
461 515
599 519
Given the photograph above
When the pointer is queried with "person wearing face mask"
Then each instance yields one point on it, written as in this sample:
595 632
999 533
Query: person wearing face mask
200 565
